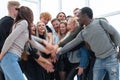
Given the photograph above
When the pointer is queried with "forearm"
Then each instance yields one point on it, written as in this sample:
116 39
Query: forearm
50 38
41 59
33 53
36 45
72 44
37 39
70 37
65 41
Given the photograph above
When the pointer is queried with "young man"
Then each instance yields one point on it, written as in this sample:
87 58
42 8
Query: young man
55 23
7 21
105 52
76 12
6 24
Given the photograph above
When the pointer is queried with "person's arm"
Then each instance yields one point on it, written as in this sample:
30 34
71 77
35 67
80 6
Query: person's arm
112 31
49 30
50 38
37 39
70 37
47 65
76 41
47 45
38 46
20 27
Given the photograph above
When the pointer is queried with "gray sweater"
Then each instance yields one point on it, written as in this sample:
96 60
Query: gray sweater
97 38
19 36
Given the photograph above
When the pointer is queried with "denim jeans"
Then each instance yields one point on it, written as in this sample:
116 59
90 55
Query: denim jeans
84 54
109 64
11 68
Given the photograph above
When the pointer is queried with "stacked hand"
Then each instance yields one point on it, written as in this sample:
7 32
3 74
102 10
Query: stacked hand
48 45
46 64
54 53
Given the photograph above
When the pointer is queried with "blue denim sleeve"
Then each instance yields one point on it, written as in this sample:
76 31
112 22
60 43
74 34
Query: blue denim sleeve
84 54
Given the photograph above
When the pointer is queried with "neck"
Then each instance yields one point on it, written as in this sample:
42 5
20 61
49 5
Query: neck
41 33
88 22
11 15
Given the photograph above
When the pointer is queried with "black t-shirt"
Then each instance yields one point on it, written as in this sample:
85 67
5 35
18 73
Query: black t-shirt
48 29
5 27
42 53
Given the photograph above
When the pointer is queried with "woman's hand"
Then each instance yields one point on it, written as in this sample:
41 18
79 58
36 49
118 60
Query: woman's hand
80 70
47 65
48 45
58 50
1 55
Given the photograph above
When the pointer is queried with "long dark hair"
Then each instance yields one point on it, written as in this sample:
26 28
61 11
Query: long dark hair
25 13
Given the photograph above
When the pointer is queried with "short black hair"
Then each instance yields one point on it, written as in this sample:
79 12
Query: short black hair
88 11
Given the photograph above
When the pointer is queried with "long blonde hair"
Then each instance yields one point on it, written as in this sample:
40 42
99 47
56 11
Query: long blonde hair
37 31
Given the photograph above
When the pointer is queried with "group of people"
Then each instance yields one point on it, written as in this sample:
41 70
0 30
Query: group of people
42 53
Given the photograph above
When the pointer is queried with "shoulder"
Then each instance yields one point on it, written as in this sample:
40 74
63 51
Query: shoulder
23 22
6 19
101 20
6 22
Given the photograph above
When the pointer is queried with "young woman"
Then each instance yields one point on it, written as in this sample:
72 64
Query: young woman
63 29
42 33
14 44
61 16
63 60
32 62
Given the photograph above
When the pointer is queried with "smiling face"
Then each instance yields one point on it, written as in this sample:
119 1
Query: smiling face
61 16
41 27
63 28
56 24
72 24
33 30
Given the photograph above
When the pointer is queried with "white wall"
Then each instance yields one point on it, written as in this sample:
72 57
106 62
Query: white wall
3 8
100 8
33 4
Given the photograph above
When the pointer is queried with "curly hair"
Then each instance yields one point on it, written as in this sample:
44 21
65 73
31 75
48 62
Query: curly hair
46 16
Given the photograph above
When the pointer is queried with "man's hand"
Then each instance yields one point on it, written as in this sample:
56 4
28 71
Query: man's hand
53 57
119 55
80 70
